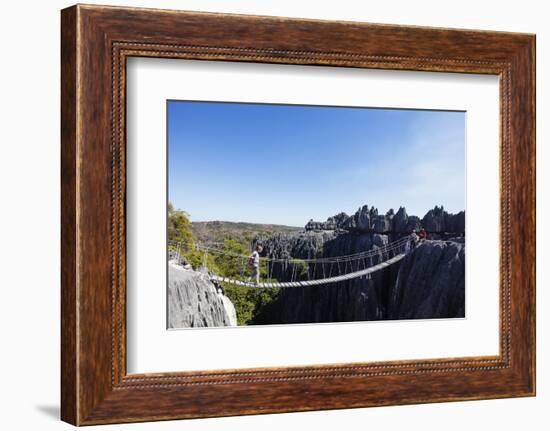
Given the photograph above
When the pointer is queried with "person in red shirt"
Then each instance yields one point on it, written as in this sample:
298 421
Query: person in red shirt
423 234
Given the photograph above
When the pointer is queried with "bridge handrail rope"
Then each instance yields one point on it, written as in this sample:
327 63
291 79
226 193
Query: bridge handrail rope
315 282
343 258
362 255
364 263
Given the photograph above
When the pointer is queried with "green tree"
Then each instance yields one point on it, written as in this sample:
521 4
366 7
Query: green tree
233 263
179 228
239 296
301 269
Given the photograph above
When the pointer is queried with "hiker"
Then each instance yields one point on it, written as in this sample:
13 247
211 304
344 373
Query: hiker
423 234
414 238
254 264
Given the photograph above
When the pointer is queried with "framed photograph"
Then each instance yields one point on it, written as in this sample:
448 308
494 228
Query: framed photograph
264 214
253 244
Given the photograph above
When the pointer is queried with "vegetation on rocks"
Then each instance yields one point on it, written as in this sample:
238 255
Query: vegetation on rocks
235 240
244 233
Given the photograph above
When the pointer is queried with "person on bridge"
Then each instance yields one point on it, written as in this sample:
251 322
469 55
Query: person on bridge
423 234
414 239
254 264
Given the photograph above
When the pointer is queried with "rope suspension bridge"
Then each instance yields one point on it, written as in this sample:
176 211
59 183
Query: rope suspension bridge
293 272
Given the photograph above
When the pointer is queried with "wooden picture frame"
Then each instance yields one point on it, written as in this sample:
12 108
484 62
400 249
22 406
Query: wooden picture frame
95 43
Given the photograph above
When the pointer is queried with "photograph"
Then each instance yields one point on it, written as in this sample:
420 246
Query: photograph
305 214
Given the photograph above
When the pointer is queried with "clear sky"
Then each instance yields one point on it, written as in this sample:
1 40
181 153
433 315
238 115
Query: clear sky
286 164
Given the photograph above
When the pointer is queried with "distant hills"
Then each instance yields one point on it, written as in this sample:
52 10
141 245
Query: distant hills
242 232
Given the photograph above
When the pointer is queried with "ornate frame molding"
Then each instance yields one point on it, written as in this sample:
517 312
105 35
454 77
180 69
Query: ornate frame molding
96 41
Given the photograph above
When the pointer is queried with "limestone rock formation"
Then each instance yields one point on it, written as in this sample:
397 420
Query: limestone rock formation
229 309
367 220
438 220
362 220
456 222
332 223
352 300
434 220
430 282
194 301
303 245
382 224
427 283
400 220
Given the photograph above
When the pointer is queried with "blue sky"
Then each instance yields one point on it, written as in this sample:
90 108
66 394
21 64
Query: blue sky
285 164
